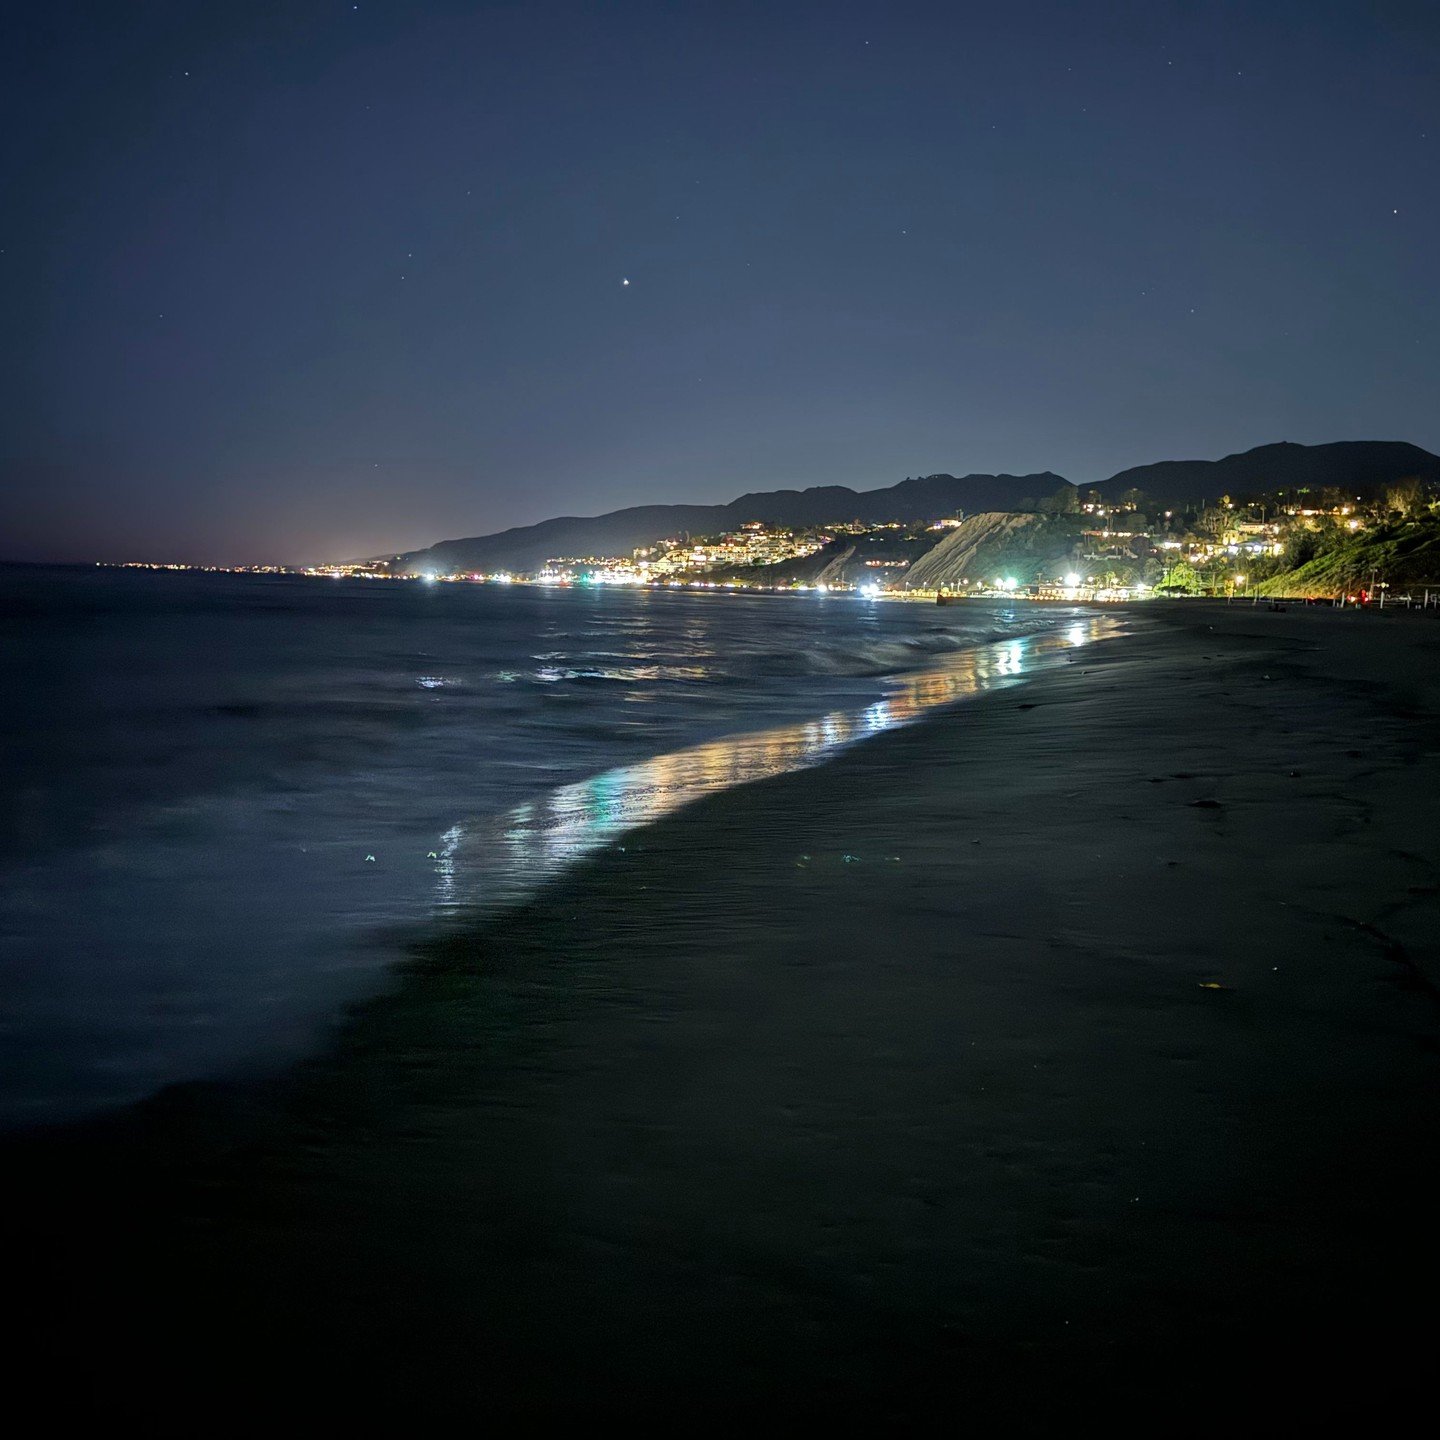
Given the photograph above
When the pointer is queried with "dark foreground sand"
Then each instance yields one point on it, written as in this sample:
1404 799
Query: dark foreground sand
730 1128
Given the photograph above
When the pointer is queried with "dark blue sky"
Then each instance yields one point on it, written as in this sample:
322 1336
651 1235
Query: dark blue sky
311 280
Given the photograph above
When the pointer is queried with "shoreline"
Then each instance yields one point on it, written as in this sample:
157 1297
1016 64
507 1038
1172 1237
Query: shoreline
485 861
355 802
843 1093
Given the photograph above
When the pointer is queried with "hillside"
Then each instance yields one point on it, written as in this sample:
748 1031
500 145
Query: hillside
988 547
618 533
1354 466
1405 556
877 556
1351 467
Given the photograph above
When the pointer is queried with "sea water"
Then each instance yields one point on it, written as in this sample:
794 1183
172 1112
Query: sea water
229 798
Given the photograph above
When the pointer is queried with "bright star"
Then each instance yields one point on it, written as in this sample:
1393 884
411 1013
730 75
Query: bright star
624 282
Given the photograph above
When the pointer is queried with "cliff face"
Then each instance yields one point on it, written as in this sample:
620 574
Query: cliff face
963 553
837 572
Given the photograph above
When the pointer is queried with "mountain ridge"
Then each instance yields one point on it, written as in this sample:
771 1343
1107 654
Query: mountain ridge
620 531
1346 464
1282 465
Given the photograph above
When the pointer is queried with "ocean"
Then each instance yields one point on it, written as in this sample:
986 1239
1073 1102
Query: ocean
232 800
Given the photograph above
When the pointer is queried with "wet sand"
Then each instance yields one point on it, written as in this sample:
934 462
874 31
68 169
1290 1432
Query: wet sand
895 1092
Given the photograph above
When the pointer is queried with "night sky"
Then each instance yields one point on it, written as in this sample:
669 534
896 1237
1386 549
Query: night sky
314 280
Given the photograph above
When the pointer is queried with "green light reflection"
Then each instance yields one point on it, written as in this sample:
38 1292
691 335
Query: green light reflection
537 840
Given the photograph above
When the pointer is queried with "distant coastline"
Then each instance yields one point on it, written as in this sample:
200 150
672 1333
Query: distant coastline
1349 522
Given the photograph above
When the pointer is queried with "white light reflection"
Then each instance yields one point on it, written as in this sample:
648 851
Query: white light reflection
1010 657
450 842
498 860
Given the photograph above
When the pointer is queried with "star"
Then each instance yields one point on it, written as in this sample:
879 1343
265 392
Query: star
624 282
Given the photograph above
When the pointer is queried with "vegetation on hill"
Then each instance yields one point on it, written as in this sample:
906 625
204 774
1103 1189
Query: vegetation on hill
1403 554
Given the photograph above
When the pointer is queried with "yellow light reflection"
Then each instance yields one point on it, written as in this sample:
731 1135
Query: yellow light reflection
544 836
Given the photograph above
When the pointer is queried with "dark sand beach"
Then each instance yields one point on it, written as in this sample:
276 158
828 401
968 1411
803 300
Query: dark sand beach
1066 1058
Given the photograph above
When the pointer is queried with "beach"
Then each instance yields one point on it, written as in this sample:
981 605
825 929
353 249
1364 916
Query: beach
1066 1054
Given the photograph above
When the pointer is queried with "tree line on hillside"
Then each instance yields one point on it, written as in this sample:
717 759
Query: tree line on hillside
1326 543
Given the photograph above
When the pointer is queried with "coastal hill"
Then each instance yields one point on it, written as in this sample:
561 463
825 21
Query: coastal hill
1404 553
961 555
528 547
1356 466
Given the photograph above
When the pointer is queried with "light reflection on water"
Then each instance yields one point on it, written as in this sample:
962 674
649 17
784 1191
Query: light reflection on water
498 859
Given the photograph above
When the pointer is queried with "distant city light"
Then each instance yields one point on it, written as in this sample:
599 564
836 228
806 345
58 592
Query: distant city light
750 557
